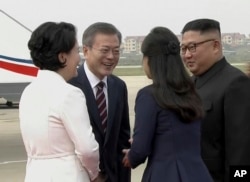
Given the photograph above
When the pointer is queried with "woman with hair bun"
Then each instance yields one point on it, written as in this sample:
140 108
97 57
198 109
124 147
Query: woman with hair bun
167 116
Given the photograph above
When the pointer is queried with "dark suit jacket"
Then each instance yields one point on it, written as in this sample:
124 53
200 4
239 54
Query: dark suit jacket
171 146
118 126
225 92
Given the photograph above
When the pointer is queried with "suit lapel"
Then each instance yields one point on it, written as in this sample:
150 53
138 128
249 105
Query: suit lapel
112 94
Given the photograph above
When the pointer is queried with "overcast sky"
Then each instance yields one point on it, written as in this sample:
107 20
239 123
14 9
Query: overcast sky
131 17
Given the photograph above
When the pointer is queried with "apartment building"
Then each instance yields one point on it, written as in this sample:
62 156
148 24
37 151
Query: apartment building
132 44
233 39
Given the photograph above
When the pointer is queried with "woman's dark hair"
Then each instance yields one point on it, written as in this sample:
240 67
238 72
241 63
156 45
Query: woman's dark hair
172 86
48 40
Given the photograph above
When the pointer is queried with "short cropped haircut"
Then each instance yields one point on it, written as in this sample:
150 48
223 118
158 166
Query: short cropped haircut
202 25
99 27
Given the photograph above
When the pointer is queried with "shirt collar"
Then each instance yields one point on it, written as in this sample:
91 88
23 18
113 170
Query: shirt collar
92 78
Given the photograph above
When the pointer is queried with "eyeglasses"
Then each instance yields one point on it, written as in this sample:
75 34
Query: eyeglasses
105 51
192 47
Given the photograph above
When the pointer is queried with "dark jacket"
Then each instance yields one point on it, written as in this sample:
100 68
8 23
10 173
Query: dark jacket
171 146
225 92
118 126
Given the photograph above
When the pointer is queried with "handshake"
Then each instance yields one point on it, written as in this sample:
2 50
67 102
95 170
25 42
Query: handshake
125 159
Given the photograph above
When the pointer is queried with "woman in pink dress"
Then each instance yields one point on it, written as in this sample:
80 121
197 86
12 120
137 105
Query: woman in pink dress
54 120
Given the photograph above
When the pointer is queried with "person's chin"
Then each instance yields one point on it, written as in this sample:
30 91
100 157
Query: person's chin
107 72
76 74
192 68
110 72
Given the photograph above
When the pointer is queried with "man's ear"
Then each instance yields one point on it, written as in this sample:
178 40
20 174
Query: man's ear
217 45
85 51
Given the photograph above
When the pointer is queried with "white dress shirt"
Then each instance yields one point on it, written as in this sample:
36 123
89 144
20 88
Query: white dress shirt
94 81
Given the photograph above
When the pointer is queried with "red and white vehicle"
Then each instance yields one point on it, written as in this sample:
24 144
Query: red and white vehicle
16 67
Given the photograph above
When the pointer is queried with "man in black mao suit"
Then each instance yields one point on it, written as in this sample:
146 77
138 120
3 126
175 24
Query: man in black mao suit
101 47
225 94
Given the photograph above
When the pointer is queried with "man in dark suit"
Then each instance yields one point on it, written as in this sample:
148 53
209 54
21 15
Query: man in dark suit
225 94
101 47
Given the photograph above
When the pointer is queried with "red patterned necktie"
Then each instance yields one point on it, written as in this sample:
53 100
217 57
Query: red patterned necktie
101 103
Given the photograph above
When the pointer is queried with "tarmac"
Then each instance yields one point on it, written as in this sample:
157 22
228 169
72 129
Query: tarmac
12 152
